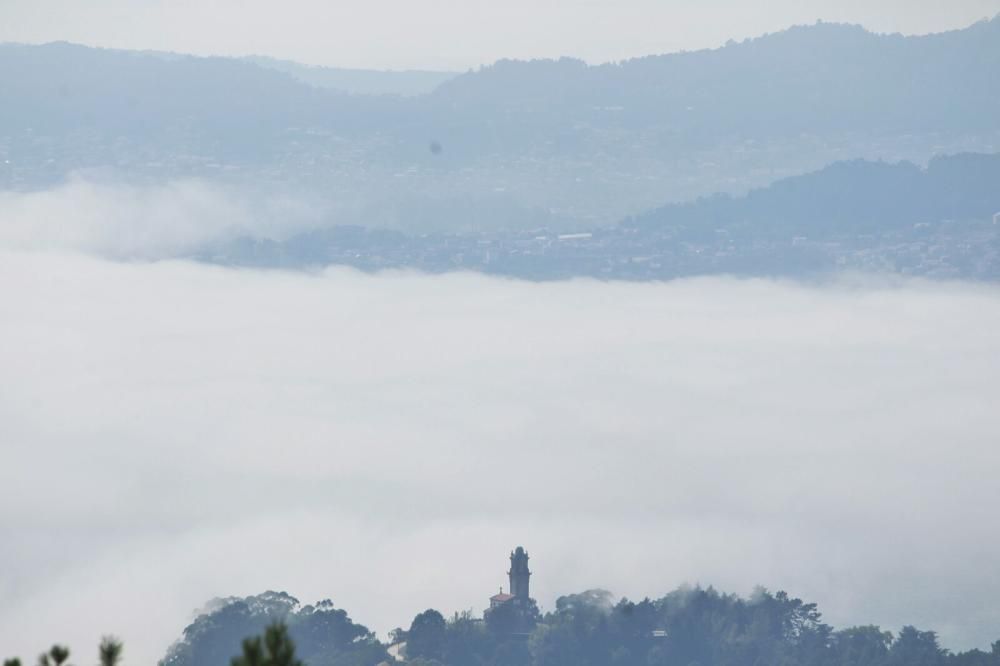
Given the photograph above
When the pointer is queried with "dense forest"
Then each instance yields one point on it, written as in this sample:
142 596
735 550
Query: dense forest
687 627
691 626
322 634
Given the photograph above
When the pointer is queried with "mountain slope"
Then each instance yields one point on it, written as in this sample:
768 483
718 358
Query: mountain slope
516 145
856 197
824 77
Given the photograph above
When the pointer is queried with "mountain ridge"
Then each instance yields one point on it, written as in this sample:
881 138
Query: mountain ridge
551 143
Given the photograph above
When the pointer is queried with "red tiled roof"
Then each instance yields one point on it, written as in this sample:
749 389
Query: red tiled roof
501 597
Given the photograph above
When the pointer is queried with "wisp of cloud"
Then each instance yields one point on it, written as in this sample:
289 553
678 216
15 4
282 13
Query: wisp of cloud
121 220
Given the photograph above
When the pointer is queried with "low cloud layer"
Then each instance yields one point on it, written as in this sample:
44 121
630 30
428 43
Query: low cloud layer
119 220
172 432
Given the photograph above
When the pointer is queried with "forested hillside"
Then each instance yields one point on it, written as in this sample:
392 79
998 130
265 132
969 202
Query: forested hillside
687 626
323 634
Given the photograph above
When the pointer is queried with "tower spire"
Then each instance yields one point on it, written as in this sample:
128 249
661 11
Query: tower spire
519 573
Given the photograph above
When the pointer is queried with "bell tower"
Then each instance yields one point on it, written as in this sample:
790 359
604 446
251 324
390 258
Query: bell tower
519 573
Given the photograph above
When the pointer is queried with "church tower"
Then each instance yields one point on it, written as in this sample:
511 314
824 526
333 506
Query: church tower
519 573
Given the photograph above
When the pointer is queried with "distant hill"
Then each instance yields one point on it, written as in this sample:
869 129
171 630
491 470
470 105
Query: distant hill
689 625
855 197
818 78
63 89
512 146
407 83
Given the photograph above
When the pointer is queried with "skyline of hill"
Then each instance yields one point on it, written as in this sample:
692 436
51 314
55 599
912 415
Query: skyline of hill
821 76
690 624
930 78
515 145
284 63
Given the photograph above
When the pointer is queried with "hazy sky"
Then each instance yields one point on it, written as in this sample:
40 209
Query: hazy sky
172 432
452 35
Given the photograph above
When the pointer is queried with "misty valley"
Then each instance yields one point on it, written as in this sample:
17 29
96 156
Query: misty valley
652 168
712 330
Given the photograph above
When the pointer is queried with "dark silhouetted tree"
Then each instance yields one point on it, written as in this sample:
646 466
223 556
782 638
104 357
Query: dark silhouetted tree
916 648
426 636
56 656
110 651
323 634
861 646
275 648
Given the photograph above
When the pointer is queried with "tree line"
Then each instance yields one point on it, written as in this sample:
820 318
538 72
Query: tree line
109 653
687 627
691 626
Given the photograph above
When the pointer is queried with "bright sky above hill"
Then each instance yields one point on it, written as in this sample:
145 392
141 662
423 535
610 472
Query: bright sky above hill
440 34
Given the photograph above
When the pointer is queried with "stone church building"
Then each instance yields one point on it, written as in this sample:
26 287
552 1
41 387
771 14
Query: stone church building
517 603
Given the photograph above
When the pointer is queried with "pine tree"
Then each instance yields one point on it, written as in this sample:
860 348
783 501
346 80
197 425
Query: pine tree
56 655
276 648
110 651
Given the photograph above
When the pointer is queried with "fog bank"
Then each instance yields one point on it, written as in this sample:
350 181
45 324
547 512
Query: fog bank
173 431
105 216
